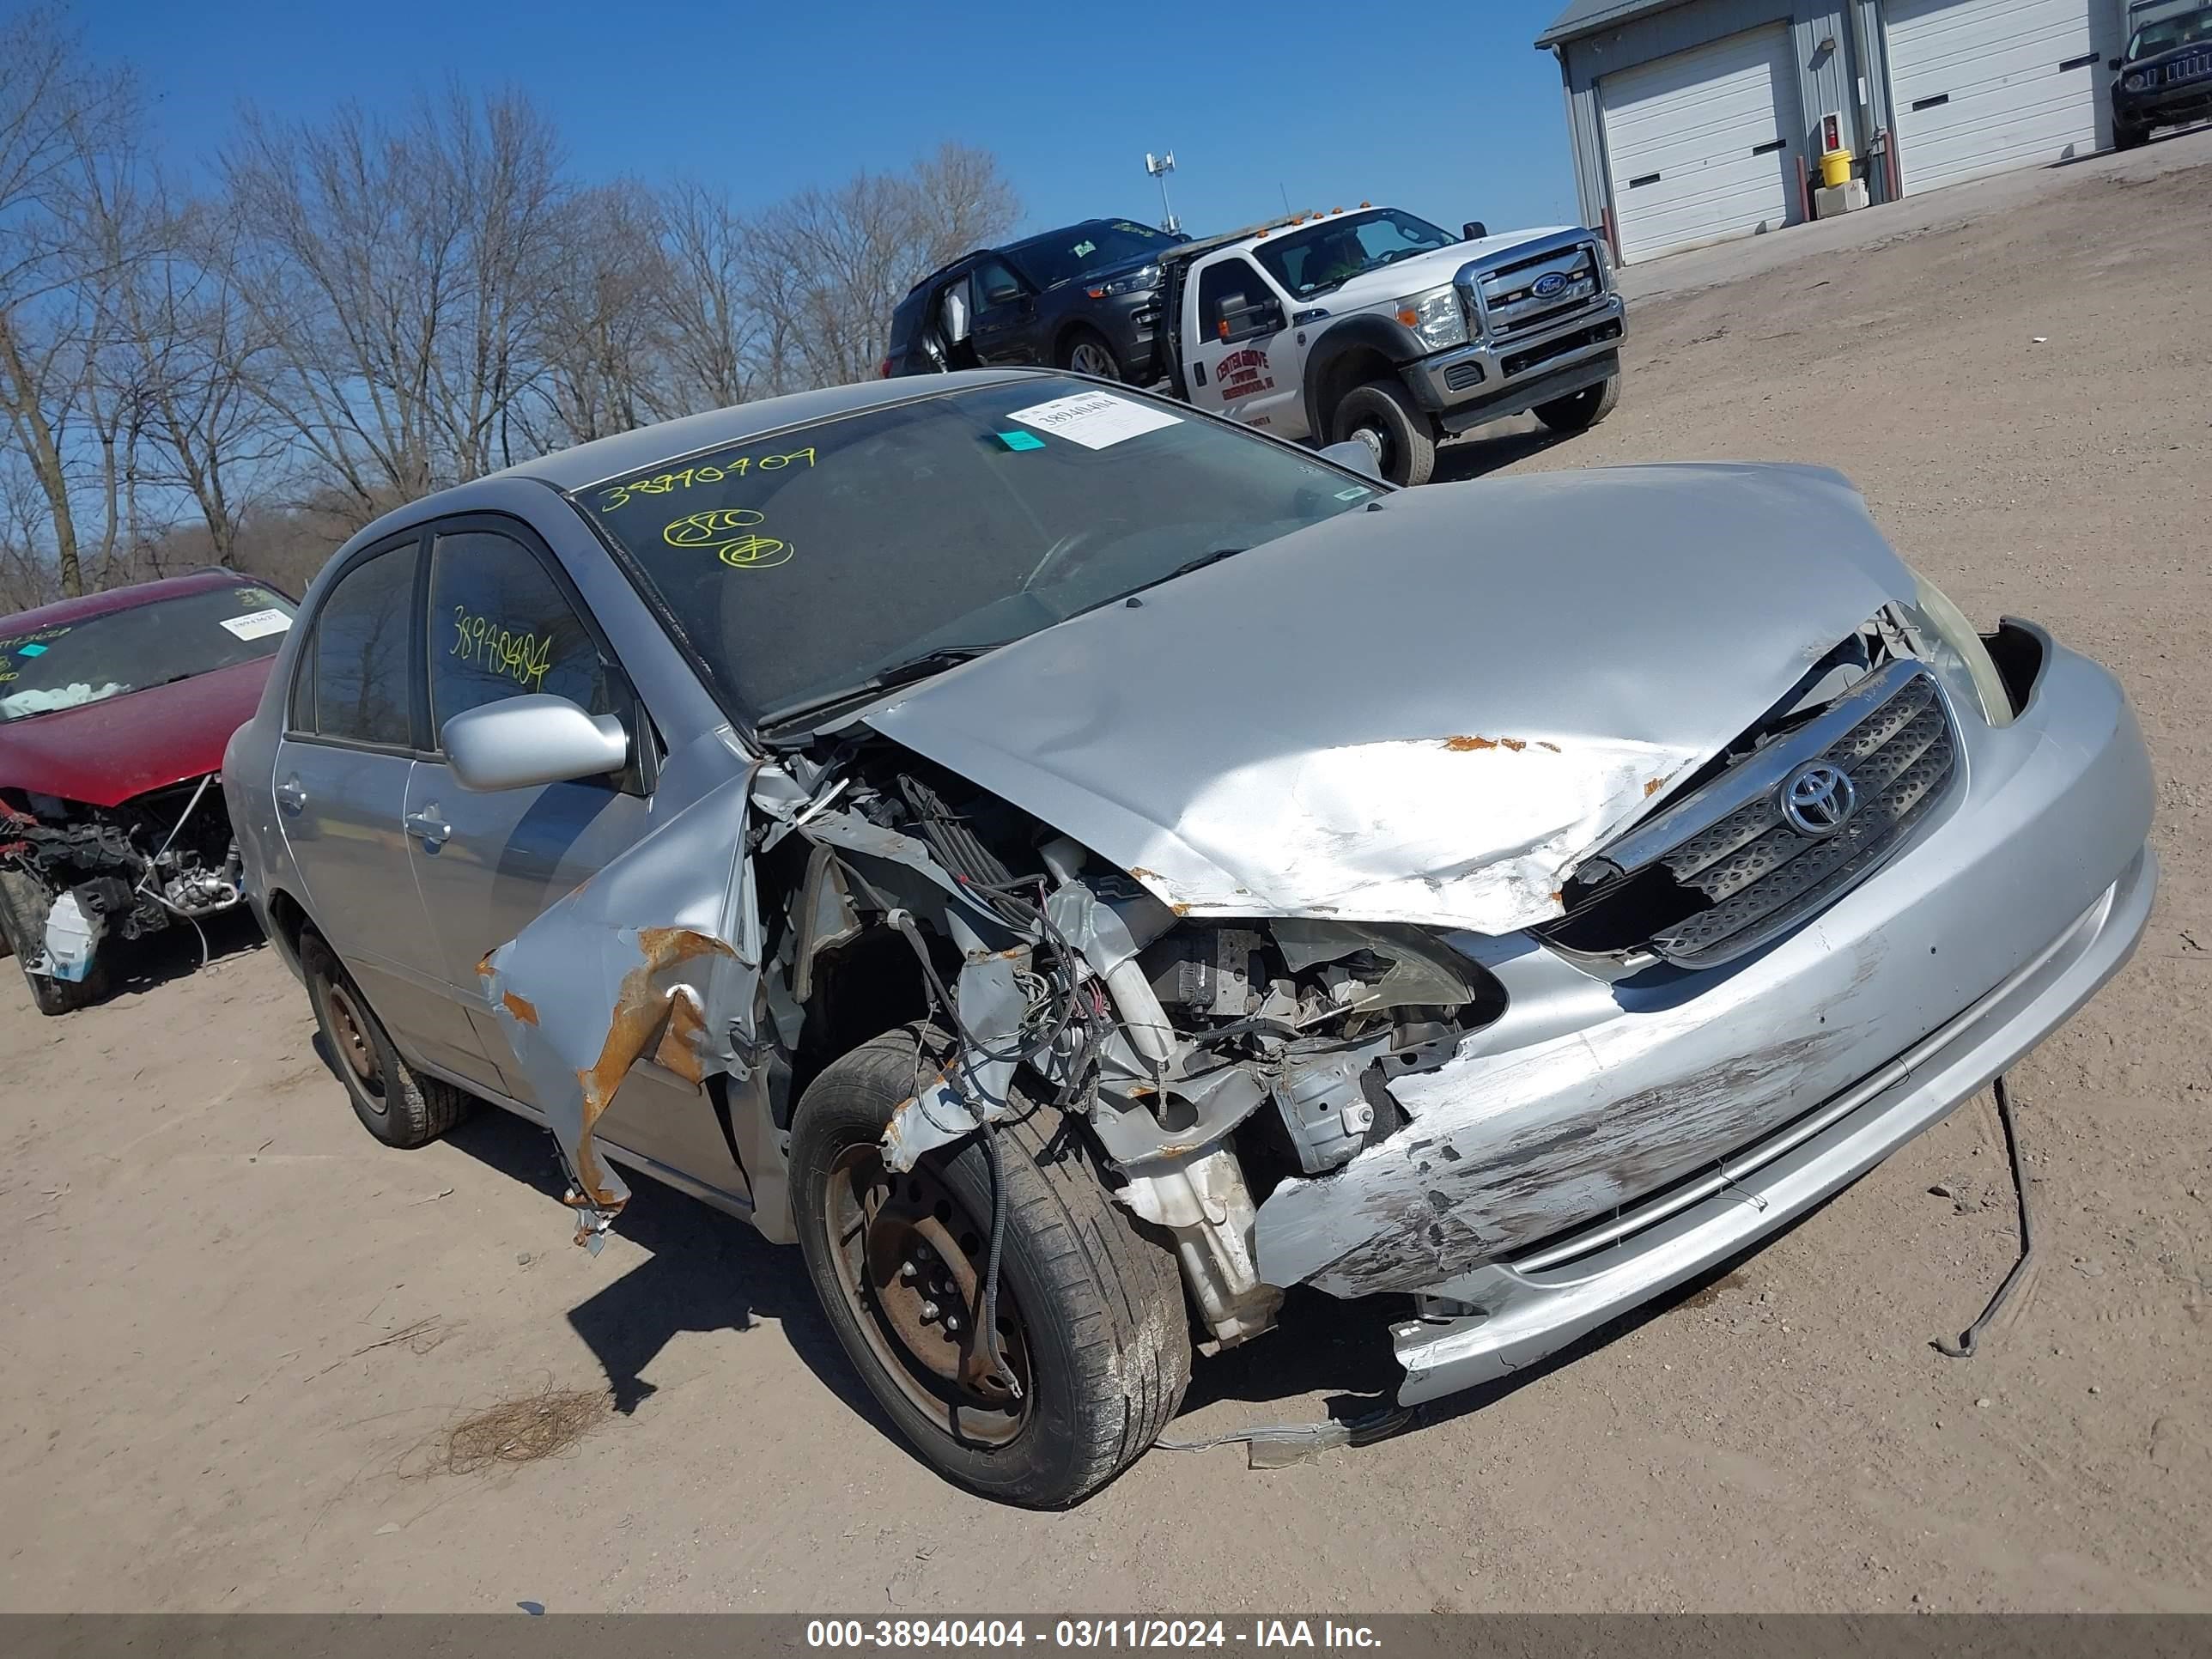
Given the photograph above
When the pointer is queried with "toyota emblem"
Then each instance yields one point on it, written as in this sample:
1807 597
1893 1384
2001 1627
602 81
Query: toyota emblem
1817 798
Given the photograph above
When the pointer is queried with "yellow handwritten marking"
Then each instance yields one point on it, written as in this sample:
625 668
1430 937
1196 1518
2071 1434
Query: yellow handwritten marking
40 638
523 657
5 677
731 532
615 497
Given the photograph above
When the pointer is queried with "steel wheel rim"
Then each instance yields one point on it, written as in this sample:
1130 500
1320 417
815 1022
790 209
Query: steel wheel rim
1378 445
351 1031
901 1244
1089 359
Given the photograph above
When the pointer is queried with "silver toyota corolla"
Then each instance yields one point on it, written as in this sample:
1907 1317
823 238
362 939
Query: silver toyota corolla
1078 868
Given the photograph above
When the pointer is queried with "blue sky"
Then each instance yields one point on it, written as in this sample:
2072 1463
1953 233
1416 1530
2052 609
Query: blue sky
1446 110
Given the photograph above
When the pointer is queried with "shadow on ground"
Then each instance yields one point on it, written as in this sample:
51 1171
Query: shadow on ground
1490 451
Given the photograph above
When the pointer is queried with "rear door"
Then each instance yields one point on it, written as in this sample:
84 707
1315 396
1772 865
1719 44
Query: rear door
341 785
504 621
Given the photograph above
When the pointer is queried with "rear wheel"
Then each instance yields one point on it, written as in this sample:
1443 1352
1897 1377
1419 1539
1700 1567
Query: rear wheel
1382 415
24 902
1584 409
1089 1318
1087 353
400 1108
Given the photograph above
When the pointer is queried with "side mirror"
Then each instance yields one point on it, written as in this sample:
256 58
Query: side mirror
2115 63
1474 230
522 742
1240 320
1353 456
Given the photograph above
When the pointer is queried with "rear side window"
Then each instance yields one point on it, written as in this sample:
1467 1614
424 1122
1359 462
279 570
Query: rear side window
500 627
359 663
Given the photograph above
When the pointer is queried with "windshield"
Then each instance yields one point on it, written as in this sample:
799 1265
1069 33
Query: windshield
2164 34
800 565
104 656
1331 253
1061 255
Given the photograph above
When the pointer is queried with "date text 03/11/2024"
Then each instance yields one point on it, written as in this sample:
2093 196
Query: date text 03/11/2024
1087 1633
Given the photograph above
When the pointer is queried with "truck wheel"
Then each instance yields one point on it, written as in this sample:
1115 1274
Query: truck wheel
1086 352
1090 1317
2128 138
24 901
1583 409
1381 415
395 1105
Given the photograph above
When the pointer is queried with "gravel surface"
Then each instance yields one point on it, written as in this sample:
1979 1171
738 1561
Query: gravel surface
237 1334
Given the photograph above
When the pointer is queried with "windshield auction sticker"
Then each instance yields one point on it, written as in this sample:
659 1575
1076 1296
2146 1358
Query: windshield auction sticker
1096 420
255 624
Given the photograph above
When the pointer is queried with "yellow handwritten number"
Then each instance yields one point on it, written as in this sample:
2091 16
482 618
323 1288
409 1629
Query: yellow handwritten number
523 657
733 533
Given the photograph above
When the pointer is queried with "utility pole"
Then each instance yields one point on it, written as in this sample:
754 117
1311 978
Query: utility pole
1159 167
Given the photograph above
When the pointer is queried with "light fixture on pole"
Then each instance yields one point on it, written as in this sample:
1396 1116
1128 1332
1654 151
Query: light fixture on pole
1159 167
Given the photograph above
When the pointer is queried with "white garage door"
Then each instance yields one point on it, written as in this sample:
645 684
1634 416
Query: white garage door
1697 144
1980 86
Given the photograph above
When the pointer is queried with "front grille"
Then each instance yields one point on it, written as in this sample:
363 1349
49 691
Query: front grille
1521 363
2188 68
1740 874
1514 307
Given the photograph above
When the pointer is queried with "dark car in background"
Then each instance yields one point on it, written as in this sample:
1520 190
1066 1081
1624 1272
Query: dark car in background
1085 297
114 709
2166 78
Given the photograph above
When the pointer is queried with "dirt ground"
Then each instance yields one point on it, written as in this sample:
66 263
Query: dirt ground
233 1331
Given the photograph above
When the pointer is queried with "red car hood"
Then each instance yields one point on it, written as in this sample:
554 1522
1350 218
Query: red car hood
104 753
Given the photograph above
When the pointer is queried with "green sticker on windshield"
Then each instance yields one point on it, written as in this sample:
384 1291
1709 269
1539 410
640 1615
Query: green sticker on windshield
32 651
1021 441
1354 493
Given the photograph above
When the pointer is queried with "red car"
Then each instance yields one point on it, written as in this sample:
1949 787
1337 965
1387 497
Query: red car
114 709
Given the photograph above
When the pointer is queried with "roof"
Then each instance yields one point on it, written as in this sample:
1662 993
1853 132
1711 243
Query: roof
121 599
644 446
1588 17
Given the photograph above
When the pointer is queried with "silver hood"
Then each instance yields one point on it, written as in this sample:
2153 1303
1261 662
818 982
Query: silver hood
1429 711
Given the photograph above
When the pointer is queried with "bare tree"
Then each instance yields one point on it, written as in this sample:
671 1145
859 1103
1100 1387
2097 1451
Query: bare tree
67 235
722 348
604 339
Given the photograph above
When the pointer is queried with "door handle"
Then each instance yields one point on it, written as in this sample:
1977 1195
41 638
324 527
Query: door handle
426 824
291 795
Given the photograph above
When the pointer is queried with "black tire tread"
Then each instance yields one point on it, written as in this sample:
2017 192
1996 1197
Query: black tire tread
418 1108
24 902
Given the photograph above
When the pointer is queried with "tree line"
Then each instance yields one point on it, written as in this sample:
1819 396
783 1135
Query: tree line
331 317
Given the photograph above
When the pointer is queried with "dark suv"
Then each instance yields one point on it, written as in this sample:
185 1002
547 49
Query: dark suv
2167 76
1085 297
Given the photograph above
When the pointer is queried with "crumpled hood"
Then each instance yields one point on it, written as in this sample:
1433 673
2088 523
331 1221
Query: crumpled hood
103 753
1427 711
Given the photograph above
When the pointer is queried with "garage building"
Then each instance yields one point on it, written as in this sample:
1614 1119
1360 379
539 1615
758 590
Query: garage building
1697 120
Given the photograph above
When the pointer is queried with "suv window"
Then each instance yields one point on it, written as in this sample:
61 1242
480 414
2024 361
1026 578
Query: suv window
1227 287
359 657
500 626
995 284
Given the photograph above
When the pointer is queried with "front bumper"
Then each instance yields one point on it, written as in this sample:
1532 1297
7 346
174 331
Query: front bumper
2163 106
1605 1140
1487 381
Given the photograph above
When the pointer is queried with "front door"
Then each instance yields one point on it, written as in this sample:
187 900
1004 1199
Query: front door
1005 314
341 779
504 623
1240 353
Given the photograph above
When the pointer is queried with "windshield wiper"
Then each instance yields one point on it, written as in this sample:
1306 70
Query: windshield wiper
1183 569
903 672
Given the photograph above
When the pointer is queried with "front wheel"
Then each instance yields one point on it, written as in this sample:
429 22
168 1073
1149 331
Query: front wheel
1582 410
1088 353
2128 138
1382 415
24 902
1089 1314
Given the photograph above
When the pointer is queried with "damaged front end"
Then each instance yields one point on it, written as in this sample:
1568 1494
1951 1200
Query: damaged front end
78 878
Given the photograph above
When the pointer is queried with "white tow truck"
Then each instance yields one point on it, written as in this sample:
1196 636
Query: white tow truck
1374 326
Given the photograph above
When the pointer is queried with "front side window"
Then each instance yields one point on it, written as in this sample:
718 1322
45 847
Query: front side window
802 564
90 660
501 628
360 658
2169 33
1332 253
995 285
1227 291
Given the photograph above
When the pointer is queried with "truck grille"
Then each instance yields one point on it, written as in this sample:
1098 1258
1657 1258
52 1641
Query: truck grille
1510 302
2189 68
1730 868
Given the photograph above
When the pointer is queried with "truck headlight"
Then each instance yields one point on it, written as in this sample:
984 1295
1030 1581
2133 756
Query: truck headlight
2137 82
1135 283
1954 631
1434 317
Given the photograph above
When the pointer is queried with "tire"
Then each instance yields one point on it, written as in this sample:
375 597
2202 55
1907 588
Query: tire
1583 409
1086 351
2127 137
1382 415
24 901
1090 1310
392 1102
